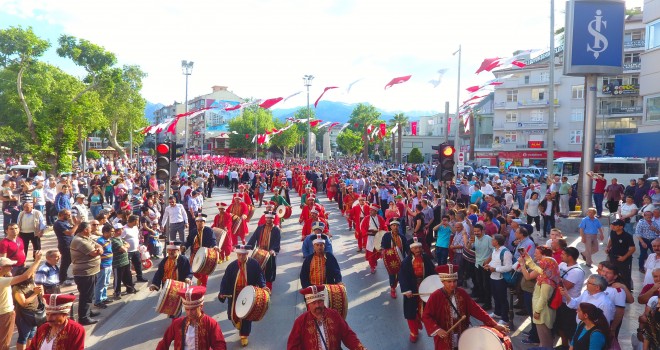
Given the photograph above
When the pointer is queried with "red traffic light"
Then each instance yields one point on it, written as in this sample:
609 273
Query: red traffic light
163 149
448 151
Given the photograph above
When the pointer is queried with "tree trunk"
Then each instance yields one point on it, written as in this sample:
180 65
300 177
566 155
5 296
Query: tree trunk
365 150
472 136
112 139
26 108
399 155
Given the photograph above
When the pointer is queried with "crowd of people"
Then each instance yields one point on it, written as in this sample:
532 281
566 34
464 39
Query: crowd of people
490 236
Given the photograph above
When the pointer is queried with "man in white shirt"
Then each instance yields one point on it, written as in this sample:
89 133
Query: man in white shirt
501 260
175 220
289 177
652 262
131 235
617 292
595 295
572 278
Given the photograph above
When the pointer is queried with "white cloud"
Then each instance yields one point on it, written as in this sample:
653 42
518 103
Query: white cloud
262 48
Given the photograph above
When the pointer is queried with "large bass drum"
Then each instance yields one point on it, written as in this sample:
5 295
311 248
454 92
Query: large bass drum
336 298
429 285
205 261
169 302
486 338
252 303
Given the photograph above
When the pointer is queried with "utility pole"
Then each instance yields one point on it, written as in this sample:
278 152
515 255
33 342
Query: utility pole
551 96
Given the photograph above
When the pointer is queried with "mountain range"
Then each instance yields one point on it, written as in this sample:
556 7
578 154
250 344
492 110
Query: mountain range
326 110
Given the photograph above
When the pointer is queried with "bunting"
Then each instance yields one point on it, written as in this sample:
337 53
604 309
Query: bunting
323 93
288 97
383 130
397 80
332 126
441 73
344 127
395 128
413 128
270 102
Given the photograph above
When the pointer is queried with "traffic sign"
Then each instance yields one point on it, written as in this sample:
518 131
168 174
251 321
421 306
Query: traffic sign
461 159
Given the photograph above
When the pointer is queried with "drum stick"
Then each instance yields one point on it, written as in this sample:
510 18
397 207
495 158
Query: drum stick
456 324
418 294
225 296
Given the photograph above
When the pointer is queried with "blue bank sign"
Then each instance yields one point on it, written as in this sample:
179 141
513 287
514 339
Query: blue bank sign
594 37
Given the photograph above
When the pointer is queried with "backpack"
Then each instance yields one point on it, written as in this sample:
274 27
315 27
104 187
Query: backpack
511 277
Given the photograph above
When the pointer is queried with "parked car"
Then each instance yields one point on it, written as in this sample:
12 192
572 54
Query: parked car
519 171
26 171
492 171
539 173
467 170
396 171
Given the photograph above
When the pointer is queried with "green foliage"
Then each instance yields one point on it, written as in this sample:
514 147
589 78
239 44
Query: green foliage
349 142
287 139
20 46
245 124
91 154
93 58
364 115
415 156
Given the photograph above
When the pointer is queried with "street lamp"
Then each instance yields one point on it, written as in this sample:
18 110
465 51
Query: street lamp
307 80
186 69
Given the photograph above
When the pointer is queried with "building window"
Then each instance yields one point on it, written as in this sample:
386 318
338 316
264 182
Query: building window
631 58
510 137
526 79
544 77
577 115
511 117
512 96
632 36
538 94
577 92
653 35
653 108
576 137
536 115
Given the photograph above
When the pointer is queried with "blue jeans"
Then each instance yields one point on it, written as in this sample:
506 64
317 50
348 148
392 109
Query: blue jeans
499 292
102 282
598 201
441 255
527 301
521 202
96 209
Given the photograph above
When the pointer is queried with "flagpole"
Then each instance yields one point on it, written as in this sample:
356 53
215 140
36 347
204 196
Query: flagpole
551 99
458 92
307 79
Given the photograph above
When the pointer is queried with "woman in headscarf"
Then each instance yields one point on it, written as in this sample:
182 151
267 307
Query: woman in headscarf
546 282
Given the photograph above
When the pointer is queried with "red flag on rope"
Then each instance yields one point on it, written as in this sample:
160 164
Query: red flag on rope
323 93
398 80
488 64
270 102
314 123
383 130
413 128
233 108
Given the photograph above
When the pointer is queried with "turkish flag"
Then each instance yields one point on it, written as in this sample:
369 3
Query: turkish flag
383 130
323 93
247 136
448 125
314 123
398 80
172 127
270 102
413 128
488 64
233 108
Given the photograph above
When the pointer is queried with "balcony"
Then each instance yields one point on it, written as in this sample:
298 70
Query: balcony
633 44
632 66
522 126
621 111
512 146
521 104
619 131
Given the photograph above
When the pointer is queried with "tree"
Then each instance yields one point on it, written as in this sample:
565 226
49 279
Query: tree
415 156
349 142
402 121
19 48
287 139
123 106
245 125
302 113
364 115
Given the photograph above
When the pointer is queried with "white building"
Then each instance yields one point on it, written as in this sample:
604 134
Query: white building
649 79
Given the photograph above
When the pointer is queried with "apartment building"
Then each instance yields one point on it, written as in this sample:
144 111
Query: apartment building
650 71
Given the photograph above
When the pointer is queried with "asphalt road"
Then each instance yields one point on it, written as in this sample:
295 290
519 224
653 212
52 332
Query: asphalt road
374 316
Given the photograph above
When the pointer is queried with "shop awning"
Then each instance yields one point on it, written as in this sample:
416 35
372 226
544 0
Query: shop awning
641 145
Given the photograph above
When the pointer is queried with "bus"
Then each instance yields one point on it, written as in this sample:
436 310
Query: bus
622 169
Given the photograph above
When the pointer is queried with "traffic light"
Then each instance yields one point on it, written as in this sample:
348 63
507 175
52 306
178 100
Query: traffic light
163 161
445 157
176 151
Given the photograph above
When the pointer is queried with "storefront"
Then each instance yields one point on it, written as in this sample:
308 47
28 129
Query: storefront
486 158
522 158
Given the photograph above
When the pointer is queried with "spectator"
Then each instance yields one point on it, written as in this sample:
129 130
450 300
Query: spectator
650 290
646 231
103 277
48 274
593 332
590 227
613 194
31 225
132 236
594 294
628 213
11 247
482 246
572 279
443 233
546 281
85 261
652 262
548 208
96 201
121 264
532 211
7 314
500 262
27 297
599 191
564 194
620 249
62 199
64 231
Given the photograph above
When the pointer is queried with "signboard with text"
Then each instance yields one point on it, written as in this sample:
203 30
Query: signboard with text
535 144
594 37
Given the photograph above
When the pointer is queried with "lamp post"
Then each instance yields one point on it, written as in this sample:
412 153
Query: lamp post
307 80
186 69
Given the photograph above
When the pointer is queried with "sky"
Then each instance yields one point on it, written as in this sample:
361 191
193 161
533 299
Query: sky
263 48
